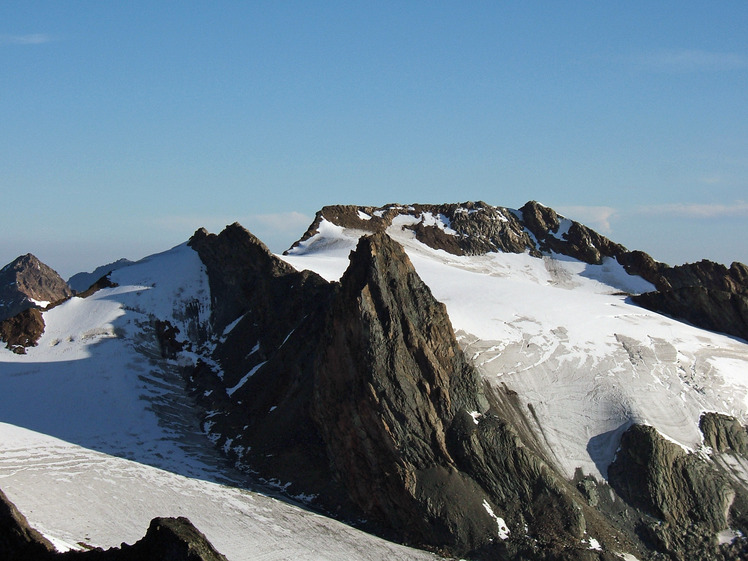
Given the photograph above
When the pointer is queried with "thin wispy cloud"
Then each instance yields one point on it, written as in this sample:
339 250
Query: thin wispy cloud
697 210
597 217
691 60
711 179
29 39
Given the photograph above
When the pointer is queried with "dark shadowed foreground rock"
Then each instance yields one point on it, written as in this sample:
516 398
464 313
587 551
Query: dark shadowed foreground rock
18 540
167 539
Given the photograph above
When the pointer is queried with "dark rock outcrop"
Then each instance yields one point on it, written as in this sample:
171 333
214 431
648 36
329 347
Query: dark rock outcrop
705 294
22 330
685 499
167 539
578 241
389 381
25 280
103 282
707 308
723 433
366 402
260 392
18 540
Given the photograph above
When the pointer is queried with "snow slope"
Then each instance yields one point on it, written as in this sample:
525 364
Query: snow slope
97 435
96 377
563 334
72 494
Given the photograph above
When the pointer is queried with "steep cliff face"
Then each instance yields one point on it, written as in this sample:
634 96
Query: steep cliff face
26 282
706 294
366 402
257 385
388 384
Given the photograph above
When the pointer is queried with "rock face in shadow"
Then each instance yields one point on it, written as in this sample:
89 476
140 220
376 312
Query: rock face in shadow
389 381
716 310
685 498
723 433
167 539
364 400
258 390
18 540
25 280
22 330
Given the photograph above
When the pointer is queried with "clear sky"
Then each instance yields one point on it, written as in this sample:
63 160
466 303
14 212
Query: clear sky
125 126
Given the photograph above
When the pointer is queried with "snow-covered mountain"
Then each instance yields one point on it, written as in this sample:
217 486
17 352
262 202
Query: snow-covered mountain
578 424
566 336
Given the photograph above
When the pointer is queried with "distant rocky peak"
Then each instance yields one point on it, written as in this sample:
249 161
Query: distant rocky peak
26 282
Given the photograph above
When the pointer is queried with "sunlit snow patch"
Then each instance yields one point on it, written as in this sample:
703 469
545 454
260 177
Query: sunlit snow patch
503 528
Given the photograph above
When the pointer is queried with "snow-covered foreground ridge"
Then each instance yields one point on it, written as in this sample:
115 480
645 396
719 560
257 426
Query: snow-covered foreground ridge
566 337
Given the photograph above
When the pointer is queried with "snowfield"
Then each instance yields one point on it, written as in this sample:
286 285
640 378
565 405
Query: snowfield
72 494
565 336
97 435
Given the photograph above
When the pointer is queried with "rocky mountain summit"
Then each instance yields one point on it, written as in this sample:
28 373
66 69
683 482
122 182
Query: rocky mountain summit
706 294
27 283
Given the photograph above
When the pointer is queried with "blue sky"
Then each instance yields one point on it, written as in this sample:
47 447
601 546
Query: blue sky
125 126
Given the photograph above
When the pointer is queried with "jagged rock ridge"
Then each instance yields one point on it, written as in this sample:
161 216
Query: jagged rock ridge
706 294
357 392
368 403
684 499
